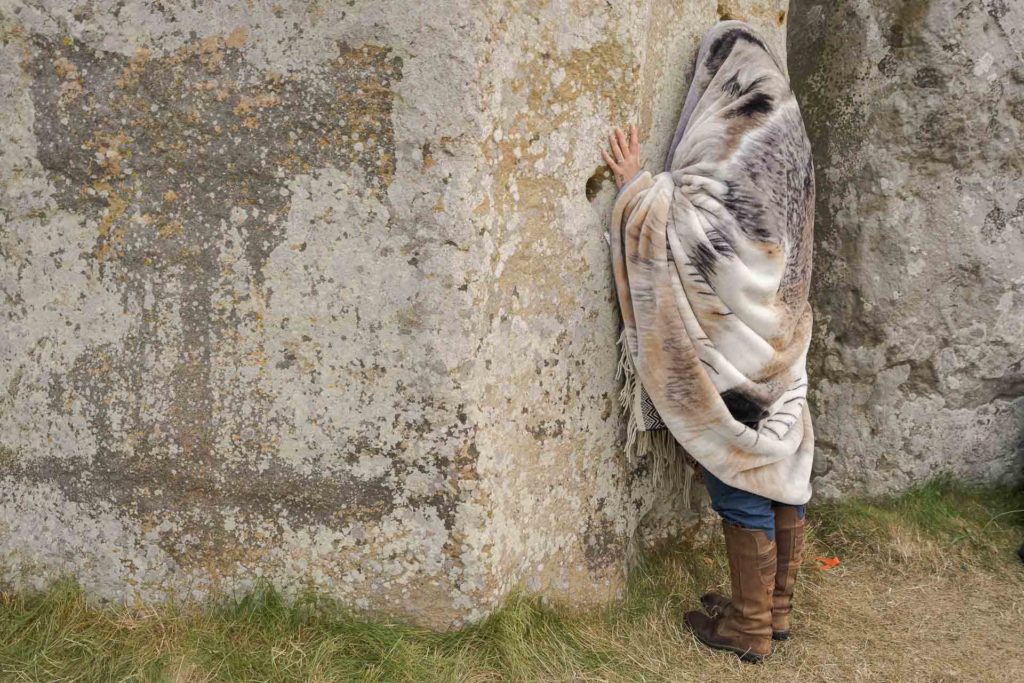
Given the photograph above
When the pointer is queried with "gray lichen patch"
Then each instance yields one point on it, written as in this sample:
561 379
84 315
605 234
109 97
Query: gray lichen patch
917 290
169 159
165 151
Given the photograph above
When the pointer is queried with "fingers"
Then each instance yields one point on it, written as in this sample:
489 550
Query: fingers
616 150
634 141
611 162
625 153
620 139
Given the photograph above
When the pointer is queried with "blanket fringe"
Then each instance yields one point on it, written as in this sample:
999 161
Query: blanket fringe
670 464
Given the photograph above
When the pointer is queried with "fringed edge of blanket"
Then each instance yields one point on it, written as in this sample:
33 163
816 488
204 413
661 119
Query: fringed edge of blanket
669 462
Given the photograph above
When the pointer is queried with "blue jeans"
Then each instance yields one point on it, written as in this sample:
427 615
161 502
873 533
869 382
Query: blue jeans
742 508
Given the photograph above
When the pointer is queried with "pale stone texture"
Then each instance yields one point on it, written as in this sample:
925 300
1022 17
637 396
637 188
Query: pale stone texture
318 292
916 112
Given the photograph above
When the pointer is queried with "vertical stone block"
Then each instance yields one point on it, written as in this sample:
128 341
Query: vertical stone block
318 294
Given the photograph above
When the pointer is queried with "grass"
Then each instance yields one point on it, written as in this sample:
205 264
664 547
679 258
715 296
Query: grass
928 589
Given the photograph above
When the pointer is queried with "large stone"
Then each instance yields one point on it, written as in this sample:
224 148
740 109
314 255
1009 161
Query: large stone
318 292
916 114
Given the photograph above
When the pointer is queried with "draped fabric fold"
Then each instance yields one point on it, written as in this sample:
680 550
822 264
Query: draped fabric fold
712 265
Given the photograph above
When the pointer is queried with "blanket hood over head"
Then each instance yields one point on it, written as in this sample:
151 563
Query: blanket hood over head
712 264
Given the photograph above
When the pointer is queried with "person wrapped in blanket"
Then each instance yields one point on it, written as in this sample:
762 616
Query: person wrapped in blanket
712 263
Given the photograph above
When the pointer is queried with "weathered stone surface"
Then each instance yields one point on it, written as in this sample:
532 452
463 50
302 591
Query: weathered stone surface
916 114
318 292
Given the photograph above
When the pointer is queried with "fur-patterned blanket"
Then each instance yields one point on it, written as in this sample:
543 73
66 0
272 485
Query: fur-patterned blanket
712 263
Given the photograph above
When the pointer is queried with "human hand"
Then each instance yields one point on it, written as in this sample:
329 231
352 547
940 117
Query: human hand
624 160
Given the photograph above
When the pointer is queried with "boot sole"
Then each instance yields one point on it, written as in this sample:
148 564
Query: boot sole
744 655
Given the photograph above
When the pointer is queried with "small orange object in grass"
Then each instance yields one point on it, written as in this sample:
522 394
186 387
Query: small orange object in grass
826 563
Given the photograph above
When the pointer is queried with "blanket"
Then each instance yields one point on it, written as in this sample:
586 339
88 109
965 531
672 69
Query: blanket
712 266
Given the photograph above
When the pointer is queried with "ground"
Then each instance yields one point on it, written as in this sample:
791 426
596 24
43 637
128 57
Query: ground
928 588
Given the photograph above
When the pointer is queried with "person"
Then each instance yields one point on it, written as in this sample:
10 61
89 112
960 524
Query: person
712 265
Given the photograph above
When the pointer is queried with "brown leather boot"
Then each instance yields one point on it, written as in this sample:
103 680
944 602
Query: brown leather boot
789 540
745 625
714 603
789 537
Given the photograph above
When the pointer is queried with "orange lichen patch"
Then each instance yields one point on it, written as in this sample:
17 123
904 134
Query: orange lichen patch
236 38
752 12
245 104
428 158
170 229
65 68
100 252
136 64
71 86
140 57
483 208
116 207
586 71
211 53
111 149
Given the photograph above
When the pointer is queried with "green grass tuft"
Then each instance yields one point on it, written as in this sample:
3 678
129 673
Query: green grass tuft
977 521
56 635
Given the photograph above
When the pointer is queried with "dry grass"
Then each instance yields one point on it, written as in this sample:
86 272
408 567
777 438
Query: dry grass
929 589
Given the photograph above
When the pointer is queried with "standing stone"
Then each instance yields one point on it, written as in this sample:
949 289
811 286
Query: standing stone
318 293
916 114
